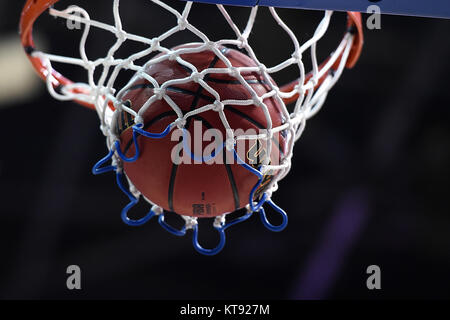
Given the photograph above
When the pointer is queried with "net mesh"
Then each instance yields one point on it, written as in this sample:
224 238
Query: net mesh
307 94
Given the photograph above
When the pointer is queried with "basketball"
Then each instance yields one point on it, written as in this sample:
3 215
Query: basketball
198 189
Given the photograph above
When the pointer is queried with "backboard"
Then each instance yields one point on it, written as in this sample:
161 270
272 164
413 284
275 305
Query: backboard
437 9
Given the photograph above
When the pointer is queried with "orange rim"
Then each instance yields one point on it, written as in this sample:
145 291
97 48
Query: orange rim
34 8
354 24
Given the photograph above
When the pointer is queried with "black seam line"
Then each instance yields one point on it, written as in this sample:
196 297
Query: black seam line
209 79
197 117
174 89
227 166
256 123
173 175
186 68
175 167
225 81
232 182
209 99
205 123
200 88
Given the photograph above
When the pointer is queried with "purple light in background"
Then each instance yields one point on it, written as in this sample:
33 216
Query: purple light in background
338 238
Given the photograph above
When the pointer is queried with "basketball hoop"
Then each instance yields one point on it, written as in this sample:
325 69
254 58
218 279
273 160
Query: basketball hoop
307 94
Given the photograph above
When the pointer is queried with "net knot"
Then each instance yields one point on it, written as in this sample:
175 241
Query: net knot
243 42
286 161
297 56
105 91
118 103
159 93
121 35
264 169
190 222
105 129
154 44
172 56
196 77
234 72
229 144
218 106
115 162
219 221
257 101
89 65
109 61
134 190
180 123
299 88
314 81
157 210
262 68
182 23
138 120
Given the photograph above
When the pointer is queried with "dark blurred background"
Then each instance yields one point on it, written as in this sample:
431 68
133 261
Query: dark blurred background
369 183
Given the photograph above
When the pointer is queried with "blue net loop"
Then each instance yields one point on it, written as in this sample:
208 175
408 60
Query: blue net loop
131 204
260 176
177 232
209 252
266 222
138 222
122 155
100 168
221 230
237 220
260 203
247 166
137 128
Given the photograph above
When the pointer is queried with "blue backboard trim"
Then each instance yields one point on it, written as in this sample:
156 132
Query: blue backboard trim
433 8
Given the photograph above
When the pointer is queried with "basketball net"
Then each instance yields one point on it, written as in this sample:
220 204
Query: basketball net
307 93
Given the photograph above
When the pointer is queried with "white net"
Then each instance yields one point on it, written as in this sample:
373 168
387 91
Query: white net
307 94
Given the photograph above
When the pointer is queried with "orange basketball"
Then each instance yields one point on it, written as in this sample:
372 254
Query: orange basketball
200 190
